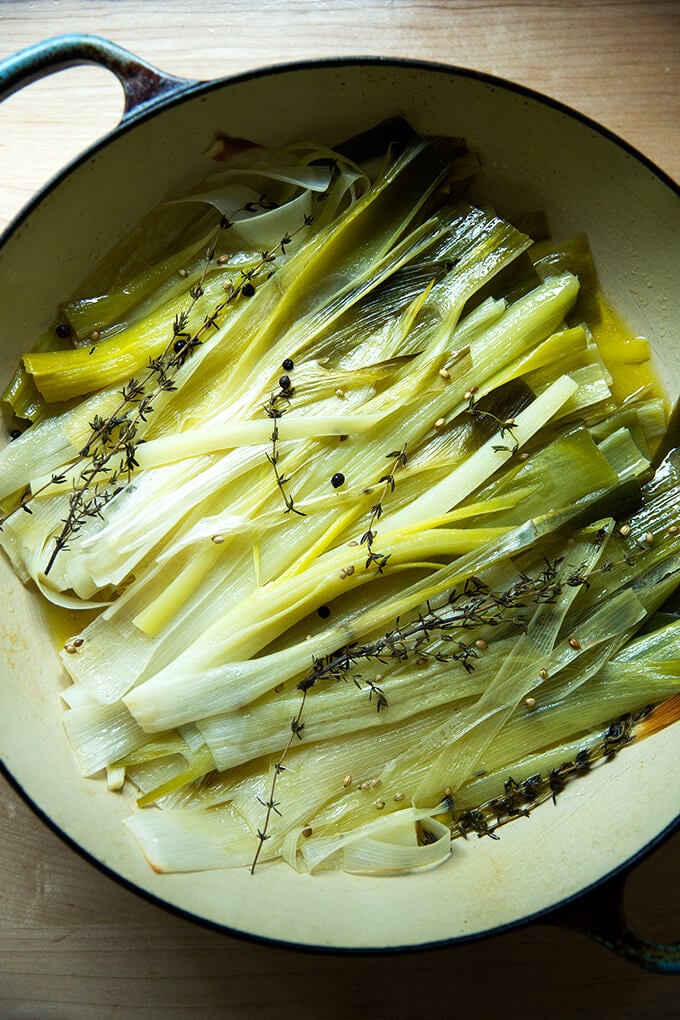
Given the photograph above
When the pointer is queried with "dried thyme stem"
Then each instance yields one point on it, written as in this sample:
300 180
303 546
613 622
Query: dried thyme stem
116 435
505 425
519 799
296 728
473 606
476 604
399 459
276 413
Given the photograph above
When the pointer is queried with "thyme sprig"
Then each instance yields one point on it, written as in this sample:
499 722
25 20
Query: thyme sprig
274 411
505 425
473 605
399 459
271 805
111 446
520 799
116 436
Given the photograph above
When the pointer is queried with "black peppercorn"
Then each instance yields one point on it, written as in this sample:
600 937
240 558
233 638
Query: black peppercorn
324 612
337 480
15 433
288 364
63 330
284 382
247 290
179 345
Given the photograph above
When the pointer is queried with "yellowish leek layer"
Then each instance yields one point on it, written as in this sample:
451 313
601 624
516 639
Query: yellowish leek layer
359 542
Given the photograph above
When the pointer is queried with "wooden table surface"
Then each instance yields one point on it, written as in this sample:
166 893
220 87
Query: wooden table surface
73 943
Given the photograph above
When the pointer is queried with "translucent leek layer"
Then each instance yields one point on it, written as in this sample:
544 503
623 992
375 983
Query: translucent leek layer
350 469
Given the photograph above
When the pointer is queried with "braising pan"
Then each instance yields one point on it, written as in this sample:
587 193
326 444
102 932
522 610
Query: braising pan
535 153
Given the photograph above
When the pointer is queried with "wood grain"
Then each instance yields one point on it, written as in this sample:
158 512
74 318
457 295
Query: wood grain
615 61
74 944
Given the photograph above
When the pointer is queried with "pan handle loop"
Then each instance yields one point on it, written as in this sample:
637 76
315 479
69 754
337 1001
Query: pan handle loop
142 83
600 915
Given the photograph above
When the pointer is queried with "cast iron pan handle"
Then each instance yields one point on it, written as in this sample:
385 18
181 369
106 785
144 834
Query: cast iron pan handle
600 915
142 83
